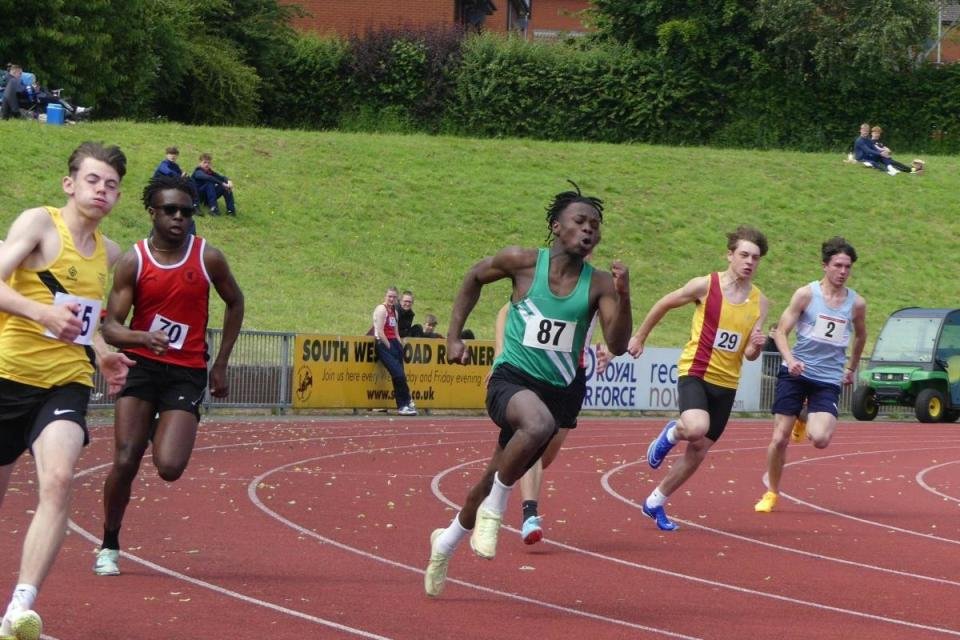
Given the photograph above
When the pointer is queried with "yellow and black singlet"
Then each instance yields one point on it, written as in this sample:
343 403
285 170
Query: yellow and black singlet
28 353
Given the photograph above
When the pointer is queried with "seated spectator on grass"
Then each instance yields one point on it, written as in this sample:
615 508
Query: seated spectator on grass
875 134
867 153
213 186
169 167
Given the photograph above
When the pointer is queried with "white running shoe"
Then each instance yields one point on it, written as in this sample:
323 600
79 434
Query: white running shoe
406 410
107 563
436 573
483 540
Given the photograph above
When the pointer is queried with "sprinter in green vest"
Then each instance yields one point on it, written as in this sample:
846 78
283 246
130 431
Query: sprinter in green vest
534 389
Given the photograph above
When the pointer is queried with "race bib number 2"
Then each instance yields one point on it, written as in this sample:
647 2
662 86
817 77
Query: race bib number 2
830 329
89 315
176 331
545 333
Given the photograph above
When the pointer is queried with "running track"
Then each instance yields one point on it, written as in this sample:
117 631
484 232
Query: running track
318 529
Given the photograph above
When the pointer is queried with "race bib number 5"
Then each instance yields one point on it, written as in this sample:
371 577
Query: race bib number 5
89 315
727 340
176 331
549 334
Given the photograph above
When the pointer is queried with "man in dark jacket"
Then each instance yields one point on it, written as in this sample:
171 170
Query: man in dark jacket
212 186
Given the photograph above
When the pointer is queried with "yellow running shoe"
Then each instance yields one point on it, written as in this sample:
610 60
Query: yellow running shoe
799 431
436 573
483 541
27 626
767 503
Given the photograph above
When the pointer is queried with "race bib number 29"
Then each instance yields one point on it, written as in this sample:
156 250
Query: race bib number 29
727 340
549 334
89 315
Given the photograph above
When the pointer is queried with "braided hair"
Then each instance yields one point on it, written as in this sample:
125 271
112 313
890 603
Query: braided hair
563 200
162 183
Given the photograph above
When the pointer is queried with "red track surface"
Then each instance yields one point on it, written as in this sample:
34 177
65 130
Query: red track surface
318 529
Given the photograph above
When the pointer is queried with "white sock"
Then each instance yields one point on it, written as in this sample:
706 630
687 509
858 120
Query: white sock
672 434
496 501
656 499
451 536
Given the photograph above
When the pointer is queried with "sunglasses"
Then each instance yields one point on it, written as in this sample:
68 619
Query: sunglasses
171 210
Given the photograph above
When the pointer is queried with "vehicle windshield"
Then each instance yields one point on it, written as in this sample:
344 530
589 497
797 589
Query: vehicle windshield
907 340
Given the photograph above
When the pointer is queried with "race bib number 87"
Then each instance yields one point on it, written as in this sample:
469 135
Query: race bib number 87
546 333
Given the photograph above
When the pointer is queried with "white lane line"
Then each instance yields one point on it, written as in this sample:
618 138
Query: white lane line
921 475
435 486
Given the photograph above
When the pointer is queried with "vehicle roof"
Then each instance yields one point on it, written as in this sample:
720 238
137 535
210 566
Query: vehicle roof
922 312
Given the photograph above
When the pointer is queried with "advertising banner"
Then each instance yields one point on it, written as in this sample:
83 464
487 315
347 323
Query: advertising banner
342 372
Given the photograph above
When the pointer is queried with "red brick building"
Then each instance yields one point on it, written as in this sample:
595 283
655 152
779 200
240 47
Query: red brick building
532 18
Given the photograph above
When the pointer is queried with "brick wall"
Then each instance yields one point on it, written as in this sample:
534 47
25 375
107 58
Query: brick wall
558 15
347 17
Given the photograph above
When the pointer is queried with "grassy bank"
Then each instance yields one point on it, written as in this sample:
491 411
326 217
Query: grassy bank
328 220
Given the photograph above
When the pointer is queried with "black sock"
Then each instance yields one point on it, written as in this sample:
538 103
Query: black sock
529 509
111 540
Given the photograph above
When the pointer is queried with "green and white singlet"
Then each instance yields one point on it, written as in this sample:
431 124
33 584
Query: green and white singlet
545 333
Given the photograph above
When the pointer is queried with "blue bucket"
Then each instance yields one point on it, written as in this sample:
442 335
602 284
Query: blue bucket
55 114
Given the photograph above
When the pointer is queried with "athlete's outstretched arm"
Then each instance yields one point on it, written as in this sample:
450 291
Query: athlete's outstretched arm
694 290
511 262
26 237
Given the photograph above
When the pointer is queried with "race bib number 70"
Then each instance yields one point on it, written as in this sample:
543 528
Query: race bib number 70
176 331
546 333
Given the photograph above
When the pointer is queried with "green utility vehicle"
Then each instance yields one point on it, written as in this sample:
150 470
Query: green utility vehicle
916 362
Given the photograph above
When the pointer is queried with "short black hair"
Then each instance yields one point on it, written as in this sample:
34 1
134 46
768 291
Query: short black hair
563 200
162 183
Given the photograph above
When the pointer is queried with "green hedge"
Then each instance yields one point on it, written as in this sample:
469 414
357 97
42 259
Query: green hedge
311 86
488 85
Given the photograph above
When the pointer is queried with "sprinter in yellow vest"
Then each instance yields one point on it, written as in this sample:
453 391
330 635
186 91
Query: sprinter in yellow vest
53 269
532 392
727 327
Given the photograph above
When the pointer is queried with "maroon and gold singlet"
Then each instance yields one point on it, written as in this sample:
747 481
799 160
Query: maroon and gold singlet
719 334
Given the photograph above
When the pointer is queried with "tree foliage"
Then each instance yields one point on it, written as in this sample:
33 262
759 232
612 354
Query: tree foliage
836 38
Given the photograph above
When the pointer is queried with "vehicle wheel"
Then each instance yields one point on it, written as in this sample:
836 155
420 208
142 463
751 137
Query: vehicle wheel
930 406
864 404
